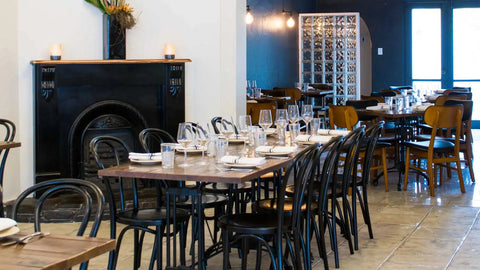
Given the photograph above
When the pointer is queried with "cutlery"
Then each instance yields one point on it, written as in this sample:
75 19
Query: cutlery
24 239
225 169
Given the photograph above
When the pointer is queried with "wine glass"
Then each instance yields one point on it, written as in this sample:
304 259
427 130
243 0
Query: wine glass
293 114
265 119
185 137
244 127
307 114
202 140
227 128
281 121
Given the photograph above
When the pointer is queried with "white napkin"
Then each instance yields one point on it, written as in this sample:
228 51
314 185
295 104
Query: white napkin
243 160
313 138
276 149
333 132
6 223
145 156
271 130
378 108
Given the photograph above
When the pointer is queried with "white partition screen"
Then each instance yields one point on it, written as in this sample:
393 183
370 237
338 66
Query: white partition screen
329 52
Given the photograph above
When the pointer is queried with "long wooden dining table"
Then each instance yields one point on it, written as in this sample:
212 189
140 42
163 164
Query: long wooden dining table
53 252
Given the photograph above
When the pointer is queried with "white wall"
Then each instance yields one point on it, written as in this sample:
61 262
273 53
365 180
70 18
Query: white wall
210 32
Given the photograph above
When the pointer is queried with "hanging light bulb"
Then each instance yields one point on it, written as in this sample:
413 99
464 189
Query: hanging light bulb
248 16
290 22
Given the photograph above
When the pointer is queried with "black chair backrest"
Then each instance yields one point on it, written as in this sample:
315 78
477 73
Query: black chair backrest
361 104
350 148
371 137
216 121
152 138
9 131
467 107
92 198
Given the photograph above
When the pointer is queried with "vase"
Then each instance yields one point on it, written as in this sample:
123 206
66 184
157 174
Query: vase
114 37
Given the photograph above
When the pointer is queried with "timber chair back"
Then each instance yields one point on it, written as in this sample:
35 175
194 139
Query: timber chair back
342 116
436 150
89 194
466 138
7 128
442 99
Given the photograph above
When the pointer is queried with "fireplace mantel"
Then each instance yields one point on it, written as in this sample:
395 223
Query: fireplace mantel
114 61
72 95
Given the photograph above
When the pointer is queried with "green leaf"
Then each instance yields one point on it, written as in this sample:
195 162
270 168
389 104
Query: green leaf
99 4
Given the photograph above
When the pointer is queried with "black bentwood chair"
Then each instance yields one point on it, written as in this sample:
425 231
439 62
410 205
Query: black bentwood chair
262 228
311 196
9 132
340 210
92 199
125 207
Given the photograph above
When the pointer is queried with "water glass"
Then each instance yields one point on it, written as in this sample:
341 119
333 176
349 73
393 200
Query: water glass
259 138
281 121
258 92
314 125
221 145
294 132
168 155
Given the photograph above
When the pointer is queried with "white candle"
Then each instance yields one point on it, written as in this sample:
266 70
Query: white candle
169 51
56 51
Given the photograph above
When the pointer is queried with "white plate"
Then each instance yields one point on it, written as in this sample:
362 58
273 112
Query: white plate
9 231
236 165
146 161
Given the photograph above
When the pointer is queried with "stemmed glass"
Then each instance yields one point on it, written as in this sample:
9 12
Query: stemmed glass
281 121
307 114
227 128
185 137
265 119
244 127
293 114
202 140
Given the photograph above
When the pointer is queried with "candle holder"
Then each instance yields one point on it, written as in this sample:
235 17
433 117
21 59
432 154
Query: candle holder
169 51
56 51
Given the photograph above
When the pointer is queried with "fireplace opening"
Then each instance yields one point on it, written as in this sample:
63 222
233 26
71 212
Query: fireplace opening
111 117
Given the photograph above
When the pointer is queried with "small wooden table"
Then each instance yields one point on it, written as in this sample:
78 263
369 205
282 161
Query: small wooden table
53 252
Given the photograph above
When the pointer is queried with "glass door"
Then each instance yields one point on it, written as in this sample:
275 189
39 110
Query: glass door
444 47
466 39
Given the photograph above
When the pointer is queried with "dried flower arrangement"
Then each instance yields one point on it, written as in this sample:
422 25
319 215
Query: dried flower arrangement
118 8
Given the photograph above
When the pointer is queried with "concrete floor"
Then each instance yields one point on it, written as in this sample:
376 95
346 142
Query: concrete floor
411 230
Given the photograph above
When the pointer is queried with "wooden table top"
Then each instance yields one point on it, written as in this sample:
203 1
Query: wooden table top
53 252
7 145
198 173
317 93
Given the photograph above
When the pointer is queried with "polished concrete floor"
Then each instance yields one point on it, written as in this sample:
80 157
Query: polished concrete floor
411 230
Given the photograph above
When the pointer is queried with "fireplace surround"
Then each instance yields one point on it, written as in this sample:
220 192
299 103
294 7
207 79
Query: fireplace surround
78 100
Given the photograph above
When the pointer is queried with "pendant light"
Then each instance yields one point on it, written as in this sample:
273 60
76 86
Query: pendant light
248 16
290 21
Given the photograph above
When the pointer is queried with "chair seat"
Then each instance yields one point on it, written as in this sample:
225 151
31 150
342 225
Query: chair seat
149 217
208 201
250 223
223 188
440 146
270 205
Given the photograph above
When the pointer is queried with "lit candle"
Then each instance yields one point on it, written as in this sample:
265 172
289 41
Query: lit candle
169 51
56 51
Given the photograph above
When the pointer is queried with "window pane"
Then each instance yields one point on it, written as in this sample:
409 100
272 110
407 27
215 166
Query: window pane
475 96
426 43
466 40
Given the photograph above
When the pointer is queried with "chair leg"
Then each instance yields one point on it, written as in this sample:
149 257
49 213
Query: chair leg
385 169
407 166
468 162
431 176
460 176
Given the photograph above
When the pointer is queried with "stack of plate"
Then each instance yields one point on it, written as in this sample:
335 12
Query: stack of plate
8 227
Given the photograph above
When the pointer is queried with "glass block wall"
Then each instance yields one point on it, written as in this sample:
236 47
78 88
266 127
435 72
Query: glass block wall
330 52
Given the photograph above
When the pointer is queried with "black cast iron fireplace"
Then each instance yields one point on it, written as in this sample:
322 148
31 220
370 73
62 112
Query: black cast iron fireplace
76 101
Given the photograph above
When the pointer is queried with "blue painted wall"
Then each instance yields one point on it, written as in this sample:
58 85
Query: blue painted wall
272 48
272 53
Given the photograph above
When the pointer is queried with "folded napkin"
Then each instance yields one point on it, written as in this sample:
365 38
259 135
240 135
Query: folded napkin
333 132
6 223
243 160
312 138
271 130
145 156
276 149
378 108
252 101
